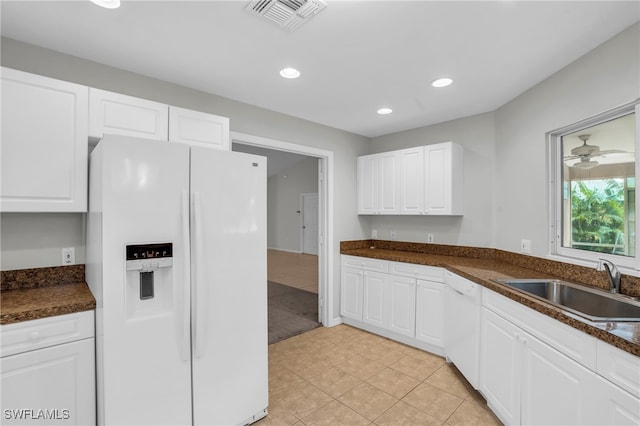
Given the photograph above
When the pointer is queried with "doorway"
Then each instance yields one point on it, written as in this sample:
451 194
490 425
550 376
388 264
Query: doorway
319 201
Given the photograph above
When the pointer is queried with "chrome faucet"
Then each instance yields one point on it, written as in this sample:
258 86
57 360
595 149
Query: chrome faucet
612 273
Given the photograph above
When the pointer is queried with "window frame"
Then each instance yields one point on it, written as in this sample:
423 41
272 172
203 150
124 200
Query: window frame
554 138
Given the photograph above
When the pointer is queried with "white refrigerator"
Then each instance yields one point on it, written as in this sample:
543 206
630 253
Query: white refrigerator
176 259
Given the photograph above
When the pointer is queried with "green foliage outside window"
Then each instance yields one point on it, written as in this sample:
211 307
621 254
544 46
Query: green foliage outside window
597 215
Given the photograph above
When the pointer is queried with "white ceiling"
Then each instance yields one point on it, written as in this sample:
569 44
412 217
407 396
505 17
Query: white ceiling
355 56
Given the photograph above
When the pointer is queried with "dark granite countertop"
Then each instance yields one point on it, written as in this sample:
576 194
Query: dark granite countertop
29 294
482 266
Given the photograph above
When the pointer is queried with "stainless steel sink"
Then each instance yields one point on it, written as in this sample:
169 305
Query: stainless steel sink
593 304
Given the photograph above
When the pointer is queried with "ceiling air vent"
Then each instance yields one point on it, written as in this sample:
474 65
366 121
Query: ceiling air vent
289 14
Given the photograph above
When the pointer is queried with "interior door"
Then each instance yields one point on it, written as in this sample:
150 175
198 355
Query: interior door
229 286
310 223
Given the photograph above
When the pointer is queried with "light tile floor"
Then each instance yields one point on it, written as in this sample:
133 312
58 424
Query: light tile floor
345 376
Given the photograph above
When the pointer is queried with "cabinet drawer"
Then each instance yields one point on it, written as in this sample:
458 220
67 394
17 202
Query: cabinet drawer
576 345
366 263
36 334
421 272
619 367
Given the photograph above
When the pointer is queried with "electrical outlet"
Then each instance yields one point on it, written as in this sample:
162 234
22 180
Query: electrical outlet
393 235
525 246
68 256
429 238
374 233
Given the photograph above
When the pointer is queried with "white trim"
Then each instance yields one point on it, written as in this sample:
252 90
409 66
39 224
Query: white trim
580 257
325 215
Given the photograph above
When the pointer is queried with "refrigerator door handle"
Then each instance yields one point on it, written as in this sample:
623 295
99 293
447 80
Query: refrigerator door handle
186 303
198 285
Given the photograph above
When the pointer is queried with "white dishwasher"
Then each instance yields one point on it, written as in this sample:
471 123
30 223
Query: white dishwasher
462 305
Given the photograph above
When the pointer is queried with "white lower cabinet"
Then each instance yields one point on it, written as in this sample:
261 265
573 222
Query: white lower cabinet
500 366
534 370
389 302
374 310
555 389
528 382
615 405
430 312
402 305
48 371
401 301
351 293
528 379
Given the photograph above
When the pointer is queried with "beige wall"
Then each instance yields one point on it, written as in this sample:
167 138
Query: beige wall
477 136
283 214
505 152
605 78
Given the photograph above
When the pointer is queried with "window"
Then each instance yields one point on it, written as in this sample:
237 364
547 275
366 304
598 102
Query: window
593 187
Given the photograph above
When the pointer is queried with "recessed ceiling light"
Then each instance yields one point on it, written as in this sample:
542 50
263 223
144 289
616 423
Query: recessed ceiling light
289 73
442 82
108 4
385 111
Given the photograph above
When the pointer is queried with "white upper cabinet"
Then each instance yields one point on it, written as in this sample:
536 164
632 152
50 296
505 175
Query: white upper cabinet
379 184
367 184
443 179
117 114
413 181
388 183
198 128
44 144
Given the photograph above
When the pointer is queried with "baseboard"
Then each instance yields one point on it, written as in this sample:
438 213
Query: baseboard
333 322
436 350
285 250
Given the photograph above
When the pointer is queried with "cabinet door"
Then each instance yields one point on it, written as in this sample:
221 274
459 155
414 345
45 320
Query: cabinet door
619 367
443 179
555 389
412 180
500 366
118 114
59 380
389 183
375 293
402 305
430 312
198 128
351 293
614 406
44 144
367 184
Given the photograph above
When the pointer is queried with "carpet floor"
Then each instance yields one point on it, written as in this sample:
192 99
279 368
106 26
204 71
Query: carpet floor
291 311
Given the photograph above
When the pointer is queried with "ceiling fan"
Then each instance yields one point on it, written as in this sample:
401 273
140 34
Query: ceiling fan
586 152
